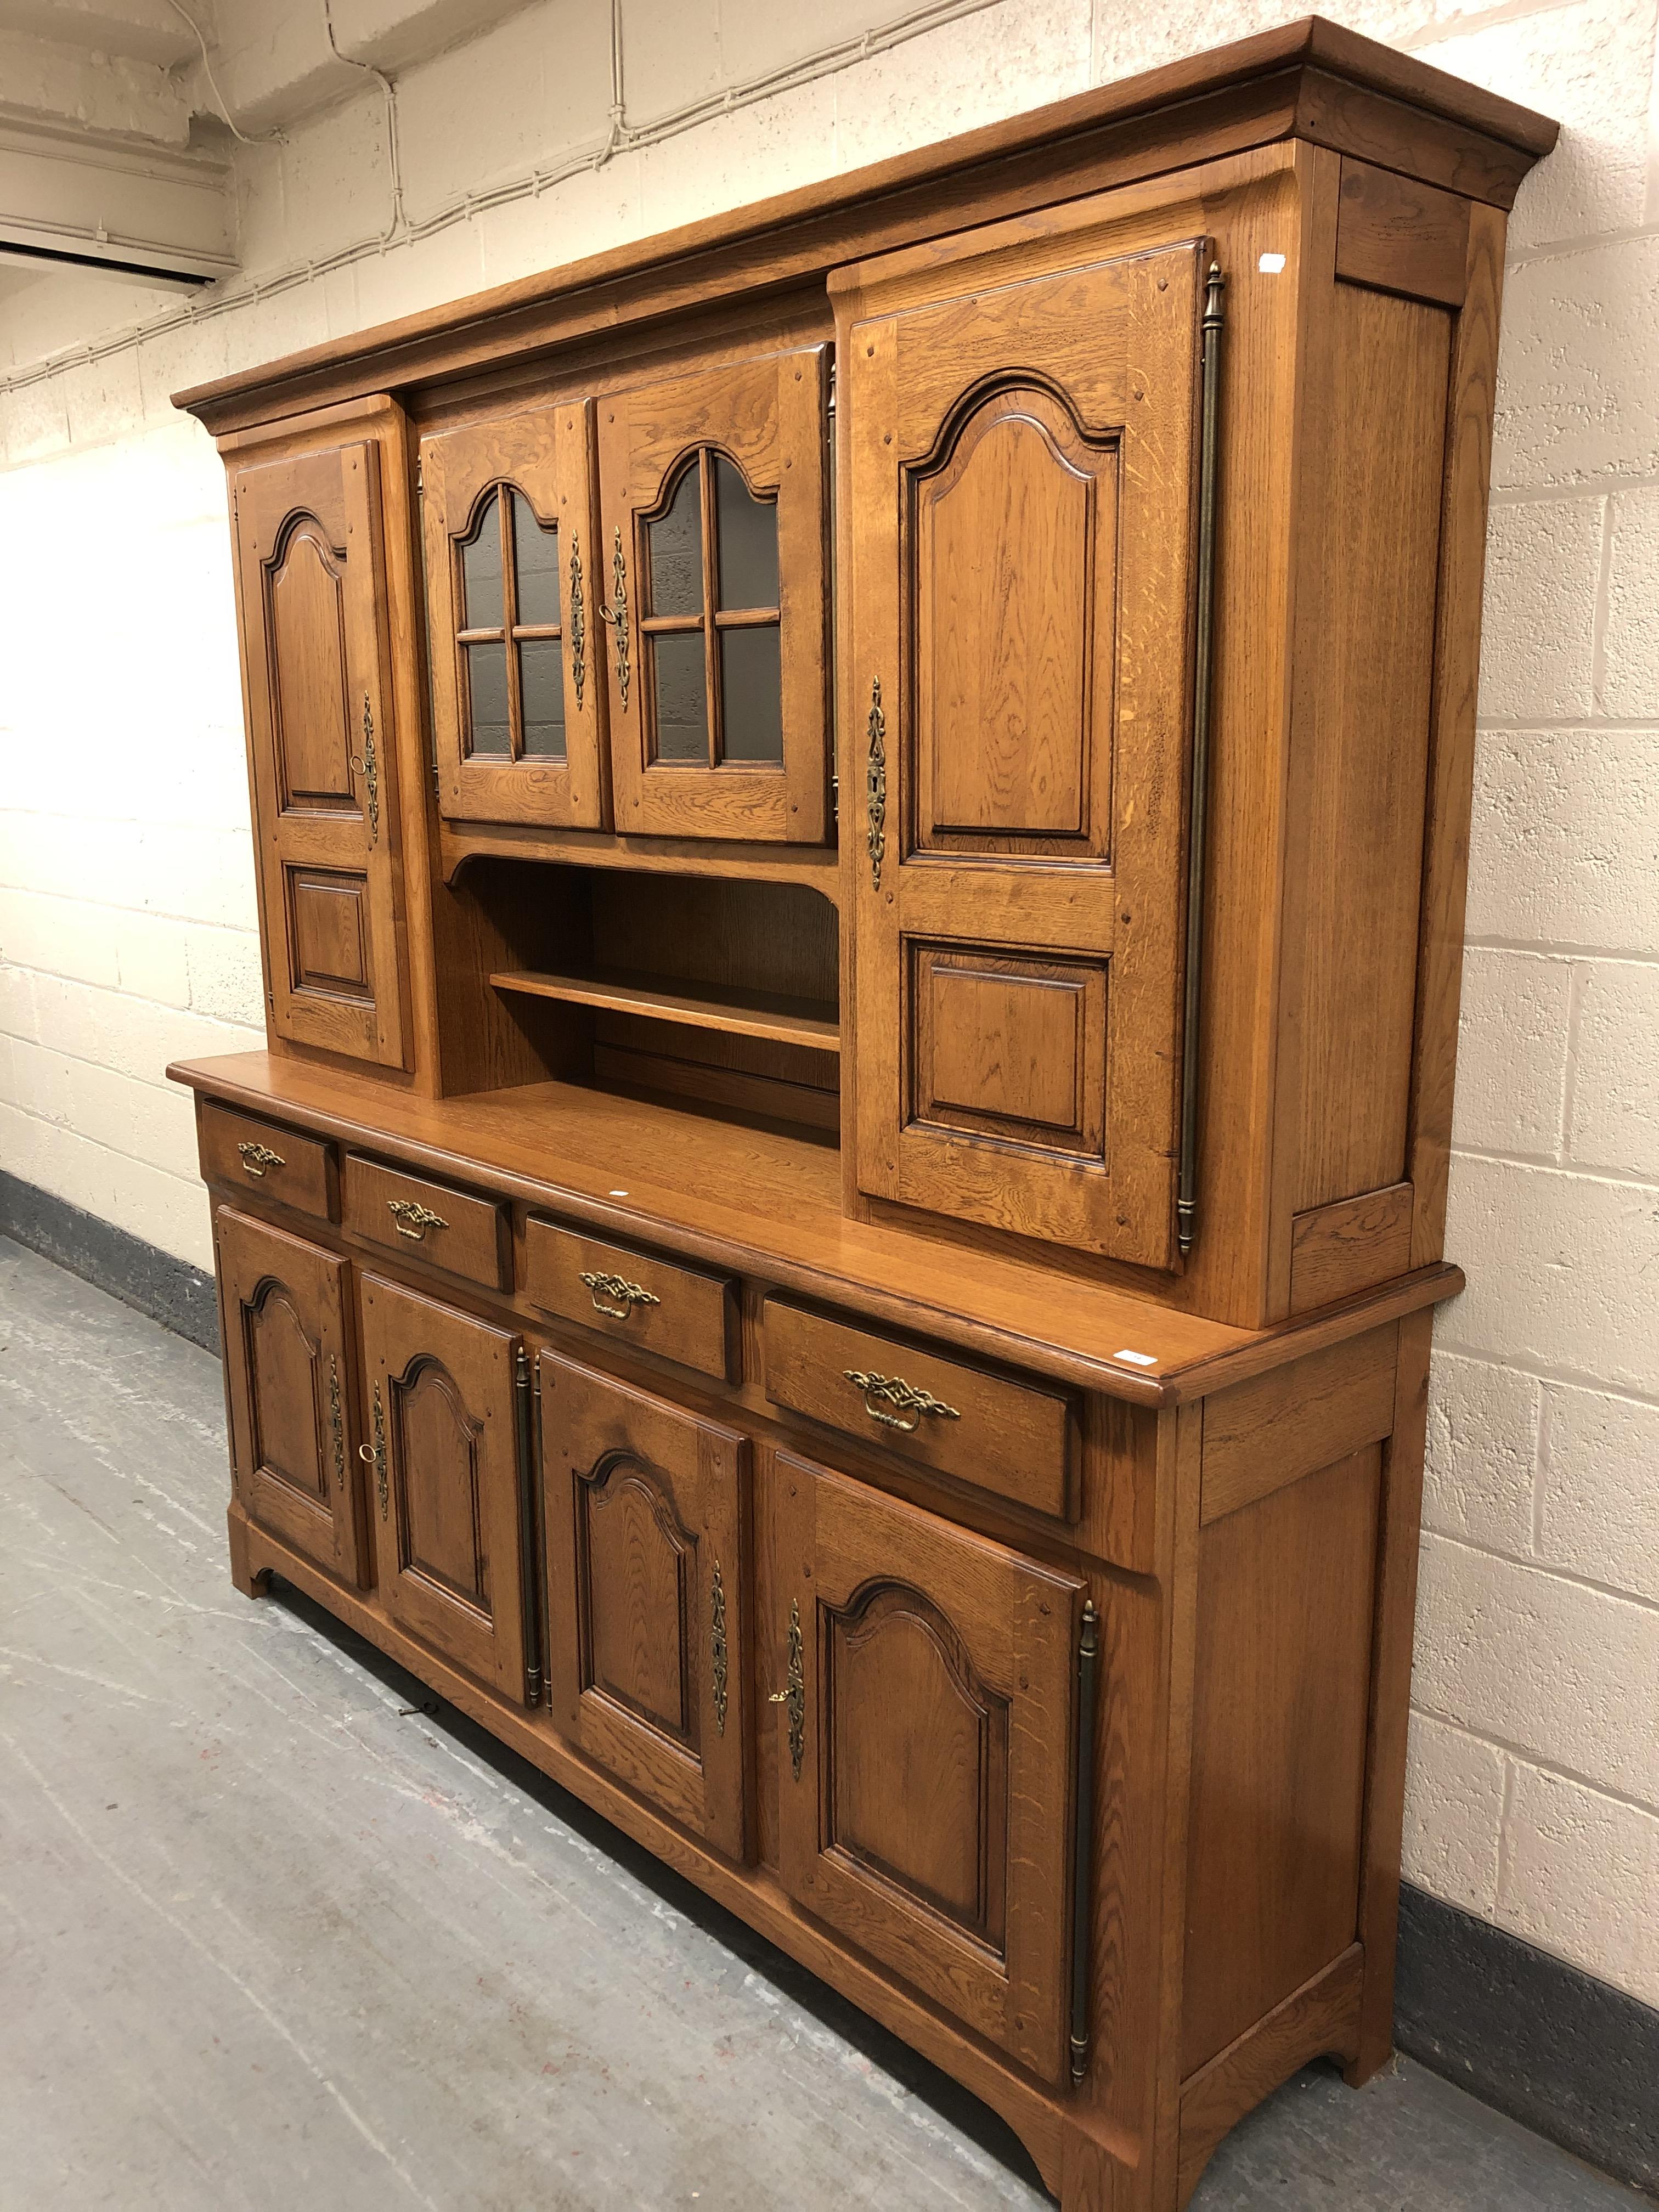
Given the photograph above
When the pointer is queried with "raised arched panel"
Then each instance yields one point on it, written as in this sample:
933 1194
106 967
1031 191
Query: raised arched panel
635 1595
917 1789
305 589
285 1401
441 1508
1010 530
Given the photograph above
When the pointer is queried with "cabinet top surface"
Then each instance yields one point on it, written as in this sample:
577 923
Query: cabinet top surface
1299 81
767 1202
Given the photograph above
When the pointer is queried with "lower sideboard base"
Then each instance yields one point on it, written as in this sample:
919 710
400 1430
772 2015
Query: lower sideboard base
1074 2154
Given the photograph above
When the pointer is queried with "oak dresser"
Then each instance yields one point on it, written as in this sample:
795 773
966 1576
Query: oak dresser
860 814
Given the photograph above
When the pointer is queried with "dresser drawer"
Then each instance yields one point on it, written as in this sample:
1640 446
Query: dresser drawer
269 1161
659 1305
1019 1439
432 1221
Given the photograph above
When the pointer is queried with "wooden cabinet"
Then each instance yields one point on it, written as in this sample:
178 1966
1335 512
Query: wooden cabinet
290 1388
1023 461
926 1753
711 488
982 1192
646 1508
443 1447
514 579
310 571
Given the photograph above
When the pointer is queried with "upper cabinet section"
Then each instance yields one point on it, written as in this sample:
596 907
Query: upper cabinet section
310 564
712 500
1022 458
632 634
517 689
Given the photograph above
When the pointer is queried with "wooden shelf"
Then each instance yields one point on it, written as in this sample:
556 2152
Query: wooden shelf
743 1014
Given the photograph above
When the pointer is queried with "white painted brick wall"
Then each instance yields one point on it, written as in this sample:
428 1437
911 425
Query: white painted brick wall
126 904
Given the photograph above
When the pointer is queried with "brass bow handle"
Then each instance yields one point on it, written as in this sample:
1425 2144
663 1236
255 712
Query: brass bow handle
412 1220
255 1159
881 1391
615 1297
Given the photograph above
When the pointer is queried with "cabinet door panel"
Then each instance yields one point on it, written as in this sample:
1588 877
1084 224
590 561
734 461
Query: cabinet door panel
442 1448
645 1508
711 501
288 1367
924 1760
514 585
310 567
1021 514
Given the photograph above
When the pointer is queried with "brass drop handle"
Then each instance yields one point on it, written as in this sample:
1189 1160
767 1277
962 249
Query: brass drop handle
336 1421
255 1159
875 785
578 620
794 1695
367 765
617 613
883 1390
718 1660
412 1220
615 1297
374 1455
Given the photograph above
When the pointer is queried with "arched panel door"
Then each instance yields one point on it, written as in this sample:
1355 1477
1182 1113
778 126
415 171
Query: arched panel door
926 1692
442 1448
1022 461
646 1506
515 584
311 578
290 1387
715 602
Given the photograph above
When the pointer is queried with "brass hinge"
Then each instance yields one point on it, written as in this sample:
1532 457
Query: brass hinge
529 1612
420 480
1083 1840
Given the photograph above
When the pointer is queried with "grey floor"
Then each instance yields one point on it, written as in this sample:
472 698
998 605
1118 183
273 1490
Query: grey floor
275 1929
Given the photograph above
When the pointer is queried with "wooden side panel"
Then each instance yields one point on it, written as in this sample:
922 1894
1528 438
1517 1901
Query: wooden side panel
1366 648
1451 759
1282 1690
1348 1245
1397 235
1260 1435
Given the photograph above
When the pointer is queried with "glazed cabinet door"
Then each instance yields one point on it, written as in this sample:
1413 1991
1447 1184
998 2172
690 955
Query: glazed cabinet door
711 501
924 1684
311 587
645 1507
288 1377
442 1448
1021 443
517 696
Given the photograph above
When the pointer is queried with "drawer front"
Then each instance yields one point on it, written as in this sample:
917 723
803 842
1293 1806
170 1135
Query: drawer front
659 1305
1017 1438
430 1220
267 1161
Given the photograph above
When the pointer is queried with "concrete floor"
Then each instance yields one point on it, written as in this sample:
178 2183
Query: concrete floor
277 1930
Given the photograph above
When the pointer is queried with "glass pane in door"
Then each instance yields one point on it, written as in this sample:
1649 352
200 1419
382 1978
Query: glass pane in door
481 571
536 551
747 536
751 695
486 687
674 548
541 689
681 700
